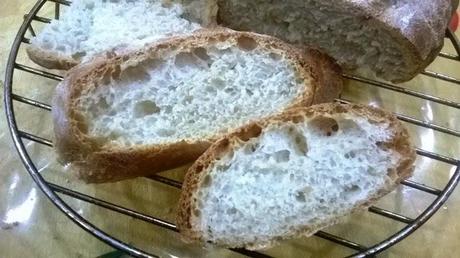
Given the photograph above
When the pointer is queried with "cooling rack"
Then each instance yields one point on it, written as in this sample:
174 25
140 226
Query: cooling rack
54 191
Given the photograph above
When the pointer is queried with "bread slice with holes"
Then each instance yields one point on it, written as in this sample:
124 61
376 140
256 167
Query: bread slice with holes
90 27
293 174
162 106
394 39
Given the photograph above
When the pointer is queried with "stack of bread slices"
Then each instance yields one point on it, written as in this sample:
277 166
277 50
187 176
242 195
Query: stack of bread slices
244 90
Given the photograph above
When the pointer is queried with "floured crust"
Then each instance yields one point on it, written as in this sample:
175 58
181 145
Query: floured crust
418 28
194 178
97 162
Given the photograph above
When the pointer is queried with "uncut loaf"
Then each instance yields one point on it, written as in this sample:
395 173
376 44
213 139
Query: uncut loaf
396 39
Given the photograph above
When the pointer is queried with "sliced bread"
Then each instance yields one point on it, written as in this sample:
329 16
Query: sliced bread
162 106
89 27
293 174
395 39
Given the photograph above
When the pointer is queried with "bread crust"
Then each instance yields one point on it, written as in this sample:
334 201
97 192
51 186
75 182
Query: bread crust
418 27
97 162
195 176
50 59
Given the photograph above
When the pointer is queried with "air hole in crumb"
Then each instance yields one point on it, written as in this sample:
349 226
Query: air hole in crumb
219 84
301 144
196 212
250 148
324 125
185 59
201 53
350 155
371 170
232 211
382 145
135 74
79 55
282 156
300 197
206 181
353 189
102 103
145 108
275 56
165 132
247 43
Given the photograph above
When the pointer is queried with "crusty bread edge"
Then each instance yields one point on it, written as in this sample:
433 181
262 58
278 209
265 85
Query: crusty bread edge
50 59
98 164
195 175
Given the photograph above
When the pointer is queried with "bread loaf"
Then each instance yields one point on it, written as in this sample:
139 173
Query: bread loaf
292 175
89 27
395 39
162 106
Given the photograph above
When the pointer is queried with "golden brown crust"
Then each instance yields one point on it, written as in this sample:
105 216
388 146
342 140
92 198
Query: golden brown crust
50 59
194 178
98 162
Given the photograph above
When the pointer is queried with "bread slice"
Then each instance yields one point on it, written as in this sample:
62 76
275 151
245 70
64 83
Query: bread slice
89 27
293 174
395 39
161 107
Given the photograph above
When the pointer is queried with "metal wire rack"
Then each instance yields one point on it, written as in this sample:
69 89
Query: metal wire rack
54 191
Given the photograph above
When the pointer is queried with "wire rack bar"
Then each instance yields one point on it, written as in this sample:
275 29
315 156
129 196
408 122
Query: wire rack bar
437 157
449 56
435 127
391 215
369 82
337 240
35 138
441 76
422 187
32 31
31 102
63 2
39 72
417 122
57 10
113 207
166 181
40 19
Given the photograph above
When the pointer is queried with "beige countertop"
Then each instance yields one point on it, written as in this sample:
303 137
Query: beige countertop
31 226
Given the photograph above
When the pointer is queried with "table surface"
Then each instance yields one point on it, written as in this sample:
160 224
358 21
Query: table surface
30 225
